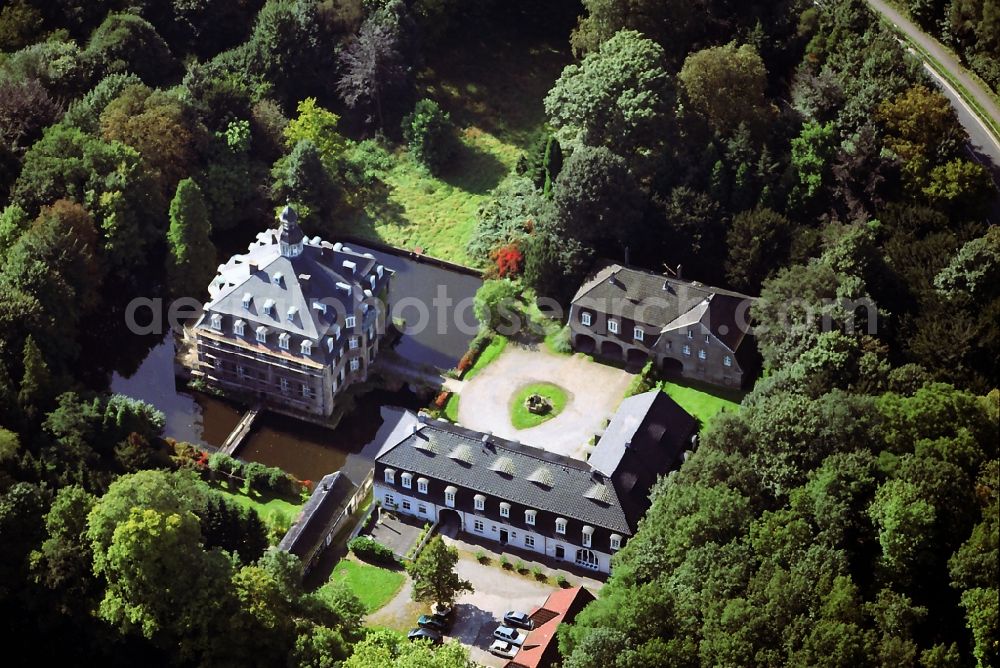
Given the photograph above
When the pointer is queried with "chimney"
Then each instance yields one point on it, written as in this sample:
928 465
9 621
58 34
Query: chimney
304 280
626 256
253 268
679 266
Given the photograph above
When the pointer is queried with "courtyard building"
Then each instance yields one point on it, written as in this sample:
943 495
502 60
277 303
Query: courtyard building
567 509
293 322
686 328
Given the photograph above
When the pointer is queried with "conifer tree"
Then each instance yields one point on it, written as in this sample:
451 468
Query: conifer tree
191 262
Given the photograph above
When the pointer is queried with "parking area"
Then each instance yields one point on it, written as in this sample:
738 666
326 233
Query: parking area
496 591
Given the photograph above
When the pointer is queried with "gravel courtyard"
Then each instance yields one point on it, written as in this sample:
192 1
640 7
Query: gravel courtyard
594 392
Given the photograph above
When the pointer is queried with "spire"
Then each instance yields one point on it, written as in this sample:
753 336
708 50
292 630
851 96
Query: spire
291 234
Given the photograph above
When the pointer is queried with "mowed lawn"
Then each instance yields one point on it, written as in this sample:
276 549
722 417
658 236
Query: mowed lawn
703 403
374 586
494 94
266 507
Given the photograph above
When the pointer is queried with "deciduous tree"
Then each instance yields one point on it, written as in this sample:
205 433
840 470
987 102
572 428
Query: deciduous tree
434 576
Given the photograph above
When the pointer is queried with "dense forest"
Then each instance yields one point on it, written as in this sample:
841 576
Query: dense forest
847 515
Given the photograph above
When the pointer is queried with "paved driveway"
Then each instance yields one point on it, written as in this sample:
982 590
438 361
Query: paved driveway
593 391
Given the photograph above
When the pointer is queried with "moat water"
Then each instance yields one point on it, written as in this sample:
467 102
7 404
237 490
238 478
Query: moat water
305 450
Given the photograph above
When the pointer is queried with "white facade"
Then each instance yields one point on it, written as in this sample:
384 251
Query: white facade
417 505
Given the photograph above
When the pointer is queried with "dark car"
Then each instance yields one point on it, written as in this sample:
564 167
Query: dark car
433 622
519 620
425 634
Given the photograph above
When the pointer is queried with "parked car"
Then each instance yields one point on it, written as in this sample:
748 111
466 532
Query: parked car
433 622
507 634
425 634
519 620
503 648
441 610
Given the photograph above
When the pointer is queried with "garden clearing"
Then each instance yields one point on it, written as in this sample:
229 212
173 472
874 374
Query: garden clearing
374 586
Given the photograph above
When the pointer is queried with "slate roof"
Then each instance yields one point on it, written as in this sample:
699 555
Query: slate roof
661 301
329 273
569 495
326 504
650 425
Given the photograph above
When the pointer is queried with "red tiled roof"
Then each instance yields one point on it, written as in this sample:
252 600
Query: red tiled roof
540 648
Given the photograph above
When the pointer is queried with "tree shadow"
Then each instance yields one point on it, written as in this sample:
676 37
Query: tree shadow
372 205
473 625
474 170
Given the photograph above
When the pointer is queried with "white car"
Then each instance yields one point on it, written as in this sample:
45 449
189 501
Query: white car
507 634
503 648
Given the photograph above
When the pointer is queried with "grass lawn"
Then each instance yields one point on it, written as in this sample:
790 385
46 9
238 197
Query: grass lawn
522 418
490 353
494 94
703 403
374 586
451 408
267 507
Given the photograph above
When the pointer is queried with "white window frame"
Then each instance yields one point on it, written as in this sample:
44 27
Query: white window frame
284 340
239 327
612 326
355 364
390 476
585 319
292 312
690 333
479 502
390 500
349 322
727 360
422 485
306 391
529 541
702 355
261 334
216 321
329 344
638 334
529 517
616 542
587 536
449 496
478 526
505 509
407 505
353 343
306 347
686 350
247 301
407 480
561 525
708 339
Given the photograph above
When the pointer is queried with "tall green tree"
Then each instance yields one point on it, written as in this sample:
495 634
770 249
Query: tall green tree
302 178
434 576
430 135
191 262
375 71
37 384
389 648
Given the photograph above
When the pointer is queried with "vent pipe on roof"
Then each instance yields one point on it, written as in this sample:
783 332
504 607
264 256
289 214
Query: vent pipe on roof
679 267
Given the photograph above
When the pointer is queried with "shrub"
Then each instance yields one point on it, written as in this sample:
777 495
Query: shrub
430 134
562 581
280 482
509 260
560 341
255 476
539 575
520 567
369 549
505 562
482 557
644 381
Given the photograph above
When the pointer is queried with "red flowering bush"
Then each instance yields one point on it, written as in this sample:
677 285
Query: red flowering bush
465 363
441 399
509 260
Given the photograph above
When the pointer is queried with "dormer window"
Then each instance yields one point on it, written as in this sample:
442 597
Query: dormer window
247 301
529 517
407 479
613 326
262 334
335 331
379 269
292 312
504 509
480 502
616 542
216 321
449 495
307 347
390 476
349 322
638 334
587 534
283 340
561 525
269 307
320 306
422 485
239 327
278 278
329 344
371 280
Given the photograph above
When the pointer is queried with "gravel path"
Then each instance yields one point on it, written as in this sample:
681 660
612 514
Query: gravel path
593 391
